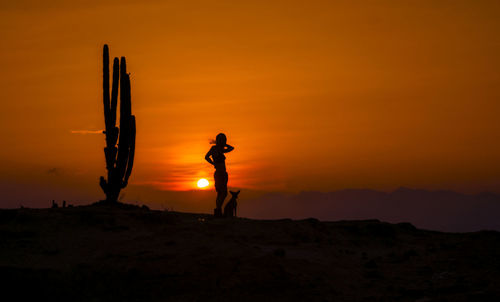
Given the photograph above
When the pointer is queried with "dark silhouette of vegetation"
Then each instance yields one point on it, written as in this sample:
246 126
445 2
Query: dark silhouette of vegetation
216 157
119 160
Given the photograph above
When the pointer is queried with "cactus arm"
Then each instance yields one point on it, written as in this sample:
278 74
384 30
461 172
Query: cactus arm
112 131
130 163
114 92
105 86
108 151
125 110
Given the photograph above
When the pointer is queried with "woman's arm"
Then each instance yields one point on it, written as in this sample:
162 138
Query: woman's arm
228 148
207 156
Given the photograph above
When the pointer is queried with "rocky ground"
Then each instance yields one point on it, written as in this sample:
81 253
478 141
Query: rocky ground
127 253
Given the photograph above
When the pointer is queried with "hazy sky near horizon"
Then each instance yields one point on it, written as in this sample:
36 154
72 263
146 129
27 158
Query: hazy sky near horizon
314 95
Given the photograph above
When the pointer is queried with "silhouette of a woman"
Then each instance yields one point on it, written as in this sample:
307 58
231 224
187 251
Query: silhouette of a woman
216 157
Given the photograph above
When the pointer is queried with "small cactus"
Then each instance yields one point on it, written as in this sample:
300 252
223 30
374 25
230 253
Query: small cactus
119 160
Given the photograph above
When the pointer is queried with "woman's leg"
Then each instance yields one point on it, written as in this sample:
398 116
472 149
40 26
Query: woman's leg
221 179
221 196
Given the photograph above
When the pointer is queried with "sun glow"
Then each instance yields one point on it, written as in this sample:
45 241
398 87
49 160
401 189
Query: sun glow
203 183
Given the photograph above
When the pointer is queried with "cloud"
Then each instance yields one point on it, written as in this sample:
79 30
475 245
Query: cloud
87 131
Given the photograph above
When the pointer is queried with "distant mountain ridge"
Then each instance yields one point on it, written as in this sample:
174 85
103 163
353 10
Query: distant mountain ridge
435 210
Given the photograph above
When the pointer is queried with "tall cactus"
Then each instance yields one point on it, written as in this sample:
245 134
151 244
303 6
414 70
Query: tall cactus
119 161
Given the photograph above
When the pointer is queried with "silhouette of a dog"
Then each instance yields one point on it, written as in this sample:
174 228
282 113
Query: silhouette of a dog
230 208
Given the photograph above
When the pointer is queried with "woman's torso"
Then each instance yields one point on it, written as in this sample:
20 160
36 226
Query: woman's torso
219 158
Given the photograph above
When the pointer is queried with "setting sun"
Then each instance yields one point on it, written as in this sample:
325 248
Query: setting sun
202 183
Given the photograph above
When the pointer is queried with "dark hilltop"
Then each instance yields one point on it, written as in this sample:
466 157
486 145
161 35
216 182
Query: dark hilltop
131 253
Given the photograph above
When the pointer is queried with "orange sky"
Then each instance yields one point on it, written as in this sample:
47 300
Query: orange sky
314 95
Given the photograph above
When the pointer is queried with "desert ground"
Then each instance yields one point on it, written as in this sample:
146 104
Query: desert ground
131 253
